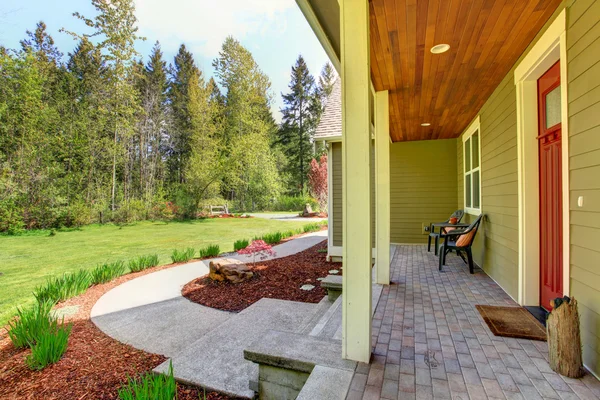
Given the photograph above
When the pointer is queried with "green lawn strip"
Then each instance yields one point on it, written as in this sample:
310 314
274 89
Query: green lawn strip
27 261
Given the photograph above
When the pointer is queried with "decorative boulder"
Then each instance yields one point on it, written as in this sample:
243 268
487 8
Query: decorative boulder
230 270
308 212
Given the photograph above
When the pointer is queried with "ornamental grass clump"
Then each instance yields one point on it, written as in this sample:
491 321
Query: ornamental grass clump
186 255
212 250
107 272
30 324
312 227
50 346
240 244
150 387
143 262
273 238
63 287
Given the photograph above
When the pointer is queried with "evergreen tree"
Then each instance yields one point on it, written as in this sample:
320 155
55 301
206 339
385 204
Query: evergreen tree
248 127
184 75
301 113
152 124
326 82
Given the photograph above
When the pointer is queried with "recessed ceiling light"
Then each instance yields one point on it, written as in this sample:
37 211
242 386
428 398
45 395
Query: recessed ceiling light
440 48
425 124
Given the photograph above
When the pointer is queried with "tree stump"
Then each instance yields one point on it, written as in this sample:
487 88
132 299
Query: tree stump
564 341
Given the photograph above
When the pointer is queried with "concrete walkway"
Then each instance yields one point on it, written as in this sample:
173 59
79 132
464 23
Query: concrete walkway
205 344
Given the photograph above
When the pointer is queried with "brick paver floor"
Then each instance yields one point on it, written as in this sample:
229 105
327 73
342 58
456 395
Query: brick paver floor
431 343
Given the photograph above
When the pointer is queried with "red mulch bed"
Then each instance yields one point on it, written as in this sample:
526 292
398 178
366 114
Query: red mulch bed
277 279
94 367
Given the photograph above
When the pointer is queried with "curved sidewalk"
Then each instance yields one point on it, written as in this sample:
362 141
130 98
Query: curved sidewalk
149 312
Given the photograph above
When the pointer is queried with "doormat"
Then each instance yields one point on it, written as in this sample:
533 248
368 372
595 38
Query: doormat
515 322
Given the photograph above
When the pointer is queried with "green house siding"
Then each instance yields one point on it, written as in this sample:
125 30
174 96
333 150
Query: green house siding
336 189
336 183
583 35
496 245
423 187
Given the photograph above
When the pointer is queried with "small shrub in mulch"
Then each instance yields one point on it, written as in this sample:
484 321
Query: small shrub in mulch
278 279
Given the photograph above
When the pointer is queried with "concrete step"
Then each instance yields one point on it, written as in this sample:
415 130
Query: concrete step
216 361
307 326
326 383
330 321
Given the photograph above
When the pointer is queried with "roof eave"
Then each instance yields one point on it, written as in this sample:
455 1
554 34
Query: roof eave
318 26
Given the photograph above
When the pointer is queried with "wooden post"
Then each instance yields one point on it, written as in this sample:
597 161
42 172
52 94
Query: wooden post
356 181
564 342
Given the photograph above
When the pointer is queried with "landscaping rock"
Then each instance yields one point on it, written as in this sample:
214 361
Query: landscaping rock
307 287
230 270
334 271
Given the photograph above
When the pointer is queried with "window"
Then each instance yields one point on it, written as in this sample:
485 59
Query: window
472 168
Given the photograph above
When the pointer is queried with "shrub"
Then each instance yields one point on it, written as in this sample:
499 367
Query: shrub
294 203
212 250
11 217
272 238
30 324
143 262
182 256
107 272
63 287
240 244
150 387
258 248
50 346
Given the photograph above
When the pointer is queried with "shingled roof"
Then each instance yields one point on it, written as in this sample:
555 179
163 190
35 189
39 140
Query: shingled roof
331 121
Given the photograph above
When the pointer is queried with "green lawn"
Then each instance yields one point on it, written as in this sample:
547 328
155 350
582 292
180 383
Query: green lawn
26 261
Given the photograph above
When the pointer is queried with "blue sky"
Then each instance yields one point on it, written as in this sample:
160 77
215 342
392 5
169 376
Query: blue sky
275 31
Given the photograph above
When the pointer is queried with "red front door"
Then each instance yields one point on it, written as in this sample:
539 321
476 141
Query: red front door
549 140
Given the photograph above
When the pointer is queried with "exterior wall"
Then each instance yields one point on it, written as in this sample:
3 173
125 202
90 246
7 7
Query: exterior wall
583 35
496 249
423 187
336 183
496 246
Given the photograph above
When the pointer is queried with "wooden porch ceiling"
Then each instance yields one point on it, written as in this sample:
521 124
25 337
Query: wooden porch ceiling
486 38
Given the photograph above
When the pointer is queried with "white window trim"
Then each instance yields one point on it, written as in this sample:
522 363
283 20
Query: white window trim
474 127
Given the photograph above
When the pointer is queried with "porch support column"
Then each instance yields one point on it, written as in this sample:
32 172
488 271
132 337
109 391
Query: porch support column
356 178
382 186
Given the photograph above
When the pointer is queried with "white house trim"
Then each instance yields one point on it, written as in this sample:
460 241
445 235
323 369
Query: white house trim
550 48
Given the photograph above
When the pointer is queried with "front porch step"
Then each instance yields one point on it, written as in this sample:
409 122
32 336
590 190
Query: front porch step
326 383
287 361
330 322
322 308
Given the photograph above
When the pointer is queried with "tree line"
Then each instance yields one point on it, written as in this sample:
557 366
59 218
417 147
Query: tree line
101 135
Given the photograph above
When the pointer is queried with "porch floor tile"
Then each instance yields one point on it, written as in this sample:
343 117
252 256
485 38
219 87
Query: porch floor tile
429 341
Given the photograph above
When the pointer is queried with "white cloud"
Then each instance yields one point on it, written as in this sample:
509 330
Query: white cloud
203 25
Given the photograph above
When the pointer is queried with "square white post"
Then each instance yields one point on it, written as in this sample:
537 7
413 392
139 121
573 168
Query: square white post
382 186
356 178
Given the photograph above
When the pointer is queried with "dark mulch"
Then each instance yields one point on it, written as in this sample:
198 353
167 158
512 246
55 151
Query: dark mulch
95 366
278 279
